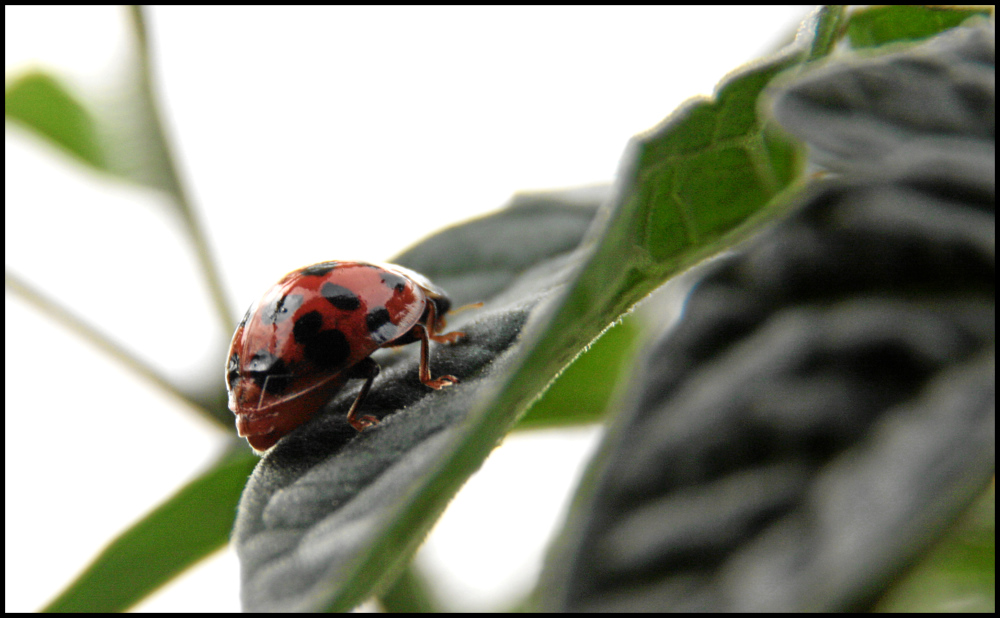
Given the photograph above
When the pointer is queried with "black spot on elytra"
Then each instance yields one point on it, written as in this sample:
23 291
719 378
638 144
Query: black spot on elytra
325 348
318 270
307 326
393 281
380 325
328 348
281 309
232 370
269 372
340 297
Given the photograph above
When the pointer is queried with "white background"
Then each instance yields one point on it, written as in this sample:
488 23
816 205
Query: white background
304 135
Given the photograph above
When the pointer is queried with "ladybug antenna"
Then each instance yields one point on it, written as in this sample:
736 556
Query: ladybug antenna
464 307
442 323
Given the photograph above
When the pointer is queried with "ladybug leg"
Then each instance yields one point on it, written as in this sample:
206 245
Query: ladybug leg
425 366
367 369
436 324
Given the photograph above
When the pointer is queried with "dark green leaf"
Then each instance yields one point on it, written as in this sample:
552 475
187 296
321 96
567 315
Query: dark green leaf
330 515
42 103
826 407
189 526
875 26
937 88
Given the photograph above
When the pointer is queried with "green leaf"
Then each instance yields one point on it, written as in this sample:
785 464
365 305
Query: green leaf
830 23
582 393
189 526
42 103
875 26
330 515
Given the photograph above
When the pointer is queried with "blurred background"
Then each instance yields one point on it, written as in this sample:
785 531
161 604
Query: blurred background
304 135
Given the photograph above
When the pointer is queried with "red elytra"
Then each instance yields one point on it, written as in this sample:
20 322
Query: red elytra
317 328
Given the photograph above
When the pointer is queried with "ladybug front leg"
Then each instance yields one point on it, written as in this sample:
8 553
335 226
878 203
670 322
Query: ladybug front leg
425 366
367 369
436 324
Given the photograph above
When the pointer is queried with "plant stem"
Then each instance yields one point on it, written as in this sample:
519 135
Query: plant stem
65 317
222 306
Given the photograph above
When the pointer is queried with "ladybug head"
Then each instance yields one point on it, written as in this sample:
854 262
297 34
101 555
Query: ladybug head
442 304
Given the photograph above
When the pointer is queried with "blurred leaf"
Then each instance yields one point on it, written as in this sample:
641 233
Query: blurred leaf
41 103
941 89
875 26
117 130
117 137
189 526
959 574
826 407
409 594
330 515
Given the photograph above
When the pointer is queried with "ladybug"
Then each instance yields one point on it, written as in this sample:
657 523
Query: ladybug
316 329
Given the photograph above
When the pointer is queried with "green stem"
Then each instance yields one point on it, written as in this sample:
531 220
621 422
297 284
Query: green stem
89 333
223 308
